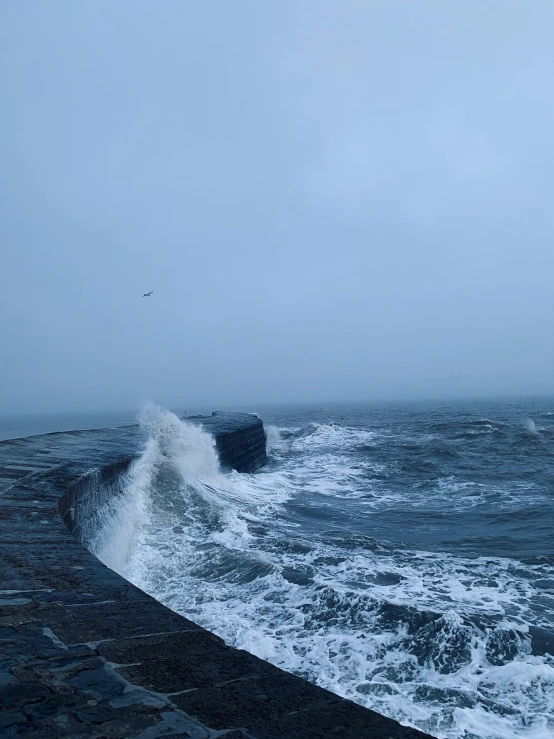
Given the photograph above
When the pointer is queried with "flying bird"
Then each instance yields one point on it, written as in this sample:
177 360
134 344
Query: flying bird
147 295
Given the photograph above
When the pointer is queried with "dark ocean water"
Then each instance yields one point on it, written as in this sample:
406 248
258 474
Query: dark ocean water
473 478
399 555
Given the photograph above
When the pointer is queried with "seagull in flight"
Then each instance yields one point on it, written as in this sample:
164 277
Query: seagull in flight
147 295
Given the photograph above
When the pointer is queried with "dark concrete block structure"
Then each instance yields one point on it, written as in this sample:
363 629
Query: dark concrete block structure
84 653
240 439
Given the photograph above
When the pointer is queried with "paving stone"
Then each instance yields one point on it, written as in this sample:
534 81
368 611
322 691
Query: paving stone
11 718
98 680
14 697
239 702
185 672
193 641
340 720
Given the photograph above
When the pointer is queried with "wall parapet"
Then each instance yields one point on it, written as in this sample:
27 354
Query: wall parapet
240 439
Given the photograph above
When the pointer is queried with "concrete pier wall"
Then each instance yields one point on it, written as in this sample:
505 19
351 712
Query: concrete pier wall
240 439
84 653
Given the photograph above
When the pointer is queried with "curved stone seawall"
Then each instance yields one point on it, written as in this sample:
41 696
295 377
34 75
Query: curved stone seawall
239 437
84 653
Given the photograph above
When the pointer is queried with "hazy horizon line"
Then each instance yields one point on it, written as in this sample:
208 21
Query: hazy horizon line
204 406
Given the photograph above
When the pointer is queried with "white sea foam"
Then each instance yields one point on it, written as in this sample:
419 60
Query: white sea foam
434 640
332 436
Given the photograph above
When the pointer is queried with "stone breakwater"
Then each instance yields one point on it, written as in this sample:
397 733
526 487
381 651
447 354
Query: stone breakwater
239 437
84 653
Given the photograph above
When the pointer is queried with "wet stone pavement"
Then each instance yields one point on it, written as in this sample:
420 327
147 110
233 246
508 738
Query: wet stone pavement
83 653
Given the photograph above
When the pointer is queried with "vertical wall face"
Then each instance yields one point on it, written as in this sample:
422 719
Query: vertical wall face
240 439
81 505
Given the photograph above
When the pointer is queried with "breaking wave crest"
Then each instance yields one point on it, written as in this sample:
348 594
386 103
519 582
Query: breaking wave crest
174 452
458 646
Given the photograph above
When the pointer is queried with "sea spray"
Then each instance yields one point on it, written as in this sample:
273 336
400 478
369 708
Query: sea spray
179 443
273 440
170 443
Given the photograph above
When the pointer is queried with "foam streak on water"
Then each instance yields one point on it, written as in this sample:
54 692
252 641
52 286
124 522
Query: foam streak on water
371 558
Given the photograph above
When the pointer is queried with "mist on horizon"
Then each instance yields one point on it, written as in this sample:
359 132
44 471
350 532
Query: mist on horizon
329 202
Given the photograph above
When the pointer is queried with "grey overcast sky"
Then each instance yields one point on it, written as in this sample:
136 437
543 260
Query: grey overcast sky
330 200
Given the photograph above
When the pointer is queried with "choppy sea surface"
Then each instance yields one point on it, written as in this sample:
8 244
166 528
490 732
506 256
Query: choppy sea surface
399 555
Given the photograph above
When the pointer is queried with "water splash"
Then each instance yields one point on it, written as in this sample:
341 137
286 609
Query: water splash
531 427
274 440
172 445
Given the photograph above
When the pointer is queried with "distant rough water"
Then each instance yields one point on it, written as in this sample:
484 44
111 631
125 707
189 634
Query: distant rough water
401 556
